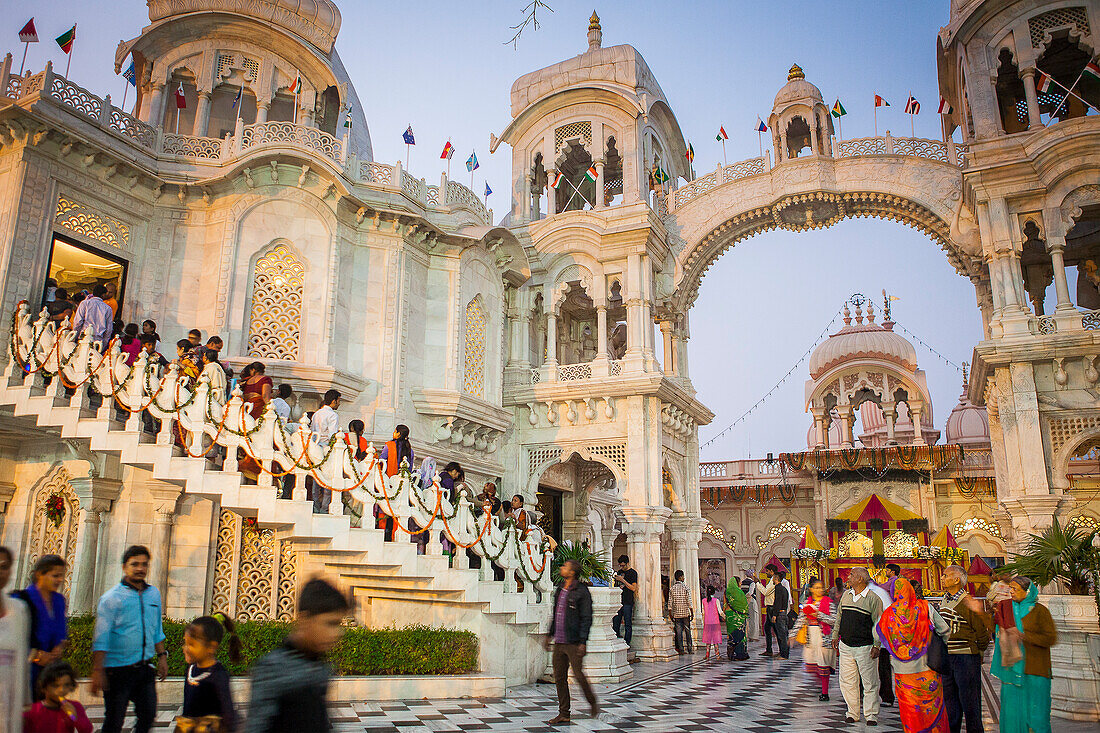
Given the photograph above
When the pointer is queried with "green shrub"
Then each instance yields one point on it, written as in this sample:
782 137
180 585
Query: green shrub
391 651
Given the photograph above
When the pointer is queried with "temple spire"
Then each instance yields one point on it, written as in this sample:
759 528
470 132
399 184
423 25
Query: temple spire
595 32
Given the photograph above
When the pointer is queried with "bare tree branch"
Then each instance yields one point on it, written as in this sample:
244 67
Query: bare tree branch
529 19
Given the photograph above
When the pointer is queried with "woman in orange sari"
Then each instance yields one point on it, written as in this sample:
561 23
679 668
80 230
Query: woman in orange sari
256 391
906 629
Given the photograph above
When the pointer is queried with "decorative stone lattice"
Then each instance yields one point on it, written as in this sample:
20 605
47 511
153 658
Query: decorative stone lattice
573 131
990 528
1064 429
1085 522
288 582
1060 18
778 530
225 559
255 575
718 534
537 456
276 305
613 452
86 221
48 538
473 373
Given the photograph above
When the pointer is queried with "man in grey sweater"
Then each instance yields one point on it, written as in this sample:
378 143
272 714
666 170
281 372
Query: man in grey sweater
858 646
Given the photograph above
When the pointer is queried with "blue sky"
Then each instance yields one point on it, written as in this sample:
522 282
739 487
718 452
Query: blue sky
445 68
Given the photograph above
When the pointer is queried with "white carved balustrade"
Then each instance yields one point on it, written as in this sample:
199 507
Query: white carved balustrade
209 422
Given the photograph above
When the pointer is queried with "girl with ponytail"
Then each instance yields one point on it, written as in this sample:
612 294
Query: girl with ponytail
207 701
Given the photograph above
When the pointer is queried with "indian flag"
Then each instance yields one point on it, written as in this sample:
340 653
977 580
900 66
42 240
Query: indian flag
1092 69
881 102
722 134
591 174
65 40
296 85
838 109
1045 83
556 181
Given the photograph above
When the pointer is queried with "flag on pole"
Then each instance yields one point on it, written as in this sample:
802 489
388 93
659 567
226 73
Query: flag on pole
659 175
237 99
1045 83
29 34
760 126
690 154
1092 69
945 107
912 107
591 173
880 102
181 99
554 184
448 151
487 189
838 110
130 75
471 163
65 40
407 136
722 135
296 85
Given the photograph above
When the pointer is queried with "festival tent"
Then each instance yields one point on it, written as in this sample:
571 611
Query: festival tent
809 541
978 580
944 538
874 507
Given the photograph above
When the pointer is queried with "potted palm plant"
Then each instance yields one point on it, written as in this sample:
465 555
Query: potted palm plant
594 565
1068 556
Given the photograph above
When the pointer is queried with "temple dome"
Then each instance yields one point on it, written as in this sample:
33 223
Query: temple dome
968 424
316 21
797 89
863 340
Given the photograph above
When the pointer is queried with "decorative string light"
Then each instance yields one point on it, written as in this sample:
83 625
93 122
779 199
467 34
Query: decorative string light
821 337
920 341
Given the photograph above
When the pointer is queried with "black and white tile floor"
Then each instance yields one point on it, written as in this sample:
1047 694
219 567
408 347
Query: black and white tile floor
761 695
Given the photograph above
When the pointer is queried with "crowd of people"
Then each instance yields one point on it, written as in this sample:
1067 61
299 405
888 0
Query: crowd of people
888 645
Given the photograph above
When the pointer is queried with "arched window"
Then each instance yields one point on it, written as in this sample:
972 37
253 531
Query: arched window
798 136
55 521
1010 94
276 305
473 373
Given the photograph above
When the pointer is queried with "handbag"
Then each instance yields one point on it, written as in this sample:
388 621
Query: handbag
204 724
803 635
937 654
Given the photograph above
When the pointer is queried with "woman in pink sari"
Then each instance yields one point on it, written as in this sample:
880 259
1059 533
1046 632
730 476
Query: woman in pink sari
712 618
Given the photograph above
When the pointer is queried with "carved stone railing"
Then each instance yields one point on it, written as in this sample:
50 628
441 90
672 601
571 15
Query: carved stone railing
378 173
318 141
189 146
204 418
459 195
575 372
860 146
713 470
718 177
415 188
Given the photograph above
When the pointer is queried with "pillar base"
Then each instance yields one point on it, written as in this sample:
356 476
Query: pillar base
653 641
605 654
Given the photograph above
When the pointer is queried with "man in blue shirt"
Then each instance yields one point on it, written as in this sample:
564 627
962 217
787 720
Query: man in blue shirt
128 631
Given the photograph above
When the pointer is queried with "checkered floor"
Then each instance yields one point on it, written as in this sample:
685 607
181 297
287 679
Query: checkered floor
760 695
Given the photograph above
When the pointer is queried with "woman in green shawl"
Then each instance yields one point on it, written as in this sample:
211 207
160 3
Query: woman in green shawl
737 613
1025 688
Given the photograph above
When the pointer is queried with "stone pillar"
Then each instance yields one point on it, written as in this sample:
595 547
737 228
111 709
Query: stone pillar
813 133
669 353
599 203
526 199
551 362
551 194
96 496
652 635
889 412
915 414
262 109
647 313
1034 120
156 106
684 335
1054 228
202 114
846 419
821 433
632 298
601 331
162 546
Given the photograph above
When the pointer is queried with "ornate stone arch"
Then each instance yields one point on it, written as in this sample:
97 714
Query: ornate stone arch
1067 437
47 537
277 292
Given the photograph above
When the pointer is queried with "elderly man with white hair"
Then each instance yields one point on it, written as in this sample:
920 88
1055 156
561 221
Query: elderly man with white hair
858 646
962 685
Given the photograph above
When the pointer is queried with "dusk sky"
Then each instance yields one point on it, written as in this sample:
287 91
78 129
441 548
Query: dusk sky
445 68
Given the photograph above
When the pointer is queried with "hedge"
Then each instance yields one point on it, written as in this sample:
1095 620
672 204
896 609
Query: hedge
390 651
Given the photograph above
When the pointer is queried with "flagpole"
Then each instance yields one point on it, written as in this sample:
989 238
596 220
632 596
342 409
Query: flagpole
840 126
724 161
70 53
760 142
125 91
240 103
912 132
876 119
26 45
407 160
177 119
1072 86
1076 96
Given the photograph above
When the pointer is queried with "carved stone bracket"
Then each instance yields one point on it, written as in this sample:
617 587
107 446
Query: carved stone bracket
460 419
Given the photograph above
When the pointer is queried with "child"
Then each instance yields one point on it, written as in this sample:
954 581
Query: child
149 346
206 696
54 713
289 685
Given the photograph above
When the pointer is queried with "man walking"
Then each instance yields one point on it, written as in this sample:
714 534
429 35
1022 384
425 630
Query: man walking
569 627
858 646
627 579
95 314
777 614
767 593
324 425
128 633
962 685
679 610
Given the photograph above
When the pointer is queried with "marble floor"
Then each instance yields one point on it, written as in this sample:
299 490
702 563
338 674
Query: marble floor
689 694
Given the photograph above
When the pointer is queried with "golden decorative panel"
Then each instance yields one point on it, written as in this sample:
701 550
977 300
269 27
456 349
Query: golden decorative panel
277 285
473 381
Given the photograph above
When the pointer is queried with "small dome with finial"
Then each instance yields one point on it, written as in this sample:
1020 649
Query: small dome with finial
794 73
594 22
796 91
595 32
968 424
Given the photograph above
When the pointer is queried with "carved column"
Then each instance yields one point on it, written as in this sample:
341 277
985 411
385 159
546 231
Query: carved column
599 204
846 420
1034 120
915 413
889 412
163 519
1056 245
683 336
202 114
635 315
813 133
262 109
601 330
669 353
155 116
527 199
821 432
652 635
96 496
551 193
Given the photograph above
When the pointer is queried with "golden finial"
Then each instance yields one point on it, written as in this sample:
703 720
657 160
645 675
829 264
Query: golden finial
595 33
795 73
594 22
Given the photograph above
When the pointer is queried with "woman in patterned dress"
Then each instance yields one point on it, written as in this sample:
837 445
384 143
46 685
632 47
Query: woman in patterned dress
818 616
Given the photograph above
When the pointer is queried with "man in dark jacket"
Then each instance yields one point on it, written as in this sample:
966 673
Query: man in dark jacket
777 615
569 628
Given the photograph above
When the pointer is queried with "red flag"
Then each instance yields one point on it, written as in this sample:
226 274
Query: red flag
28 34
880 102
181 100
448 151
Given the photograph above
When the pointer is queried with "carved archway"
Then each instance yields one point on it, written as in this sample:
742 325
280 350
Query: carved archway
53 529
